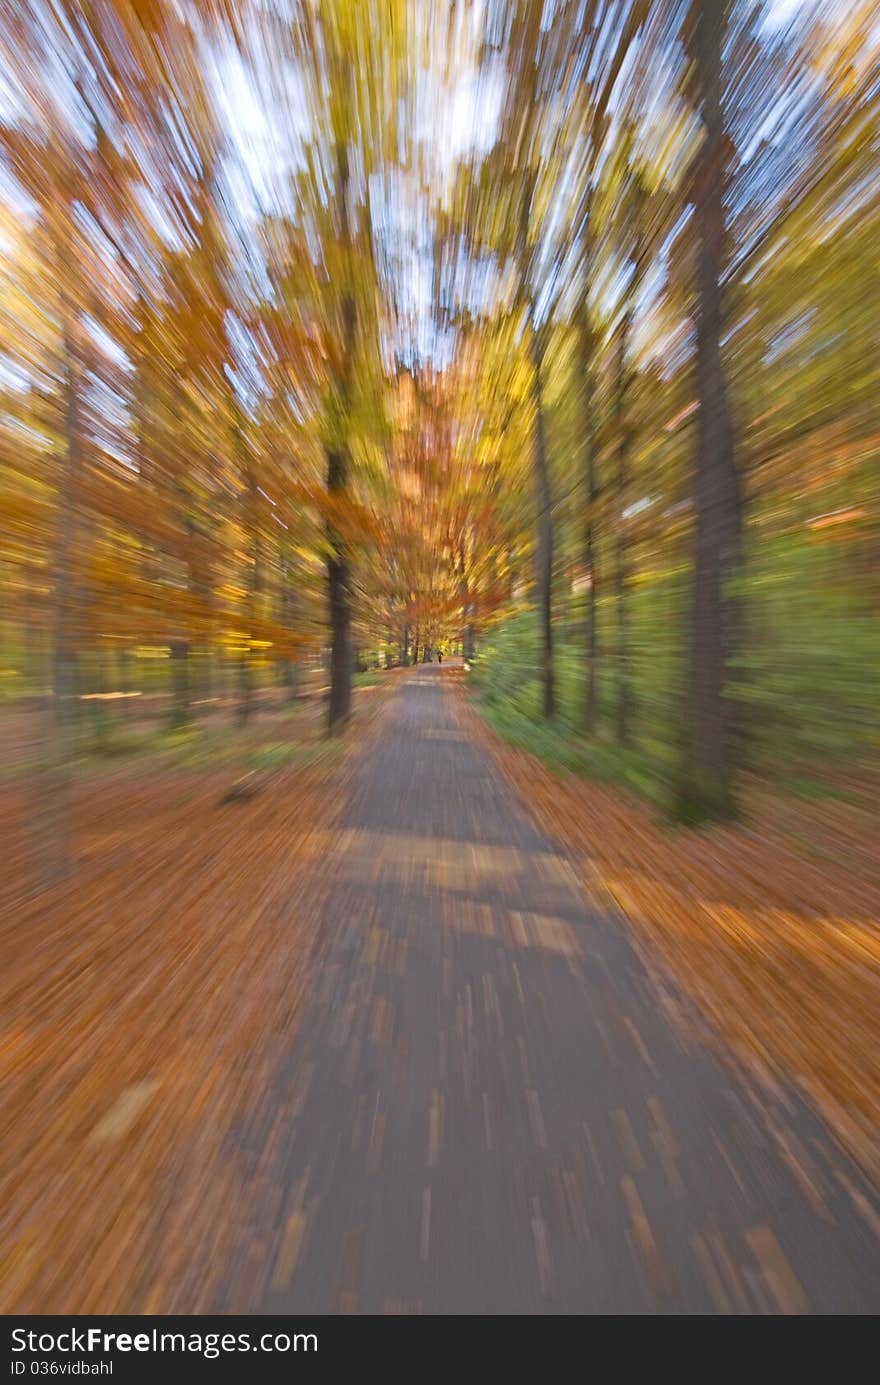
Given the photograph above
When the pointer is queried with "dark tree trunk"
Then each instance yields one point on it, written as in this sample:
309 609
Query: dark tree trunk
467 629
54 809
123 672
255 579
622 660
200 584
405 652
245 688
290 678
706 778
591 643
540 463
338 561
180 686
181 647
56 846
544 534
206 673
339 591
287 610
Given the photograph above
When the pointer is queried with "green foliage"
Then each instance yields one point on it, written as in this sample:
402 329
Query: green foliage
507 675
807 684
809 677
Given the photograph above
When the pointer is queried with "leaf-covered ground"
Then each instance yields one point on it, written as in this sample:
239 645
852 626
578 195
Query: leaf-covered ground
143 1002
770 925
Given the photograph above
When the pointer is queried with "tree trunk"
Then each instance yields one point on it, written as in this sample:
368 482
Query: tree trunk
123 671
245 688
54 845
338 561
181 646
180 685
591 644
290 678
206 679
705 787
622 661
200 586
255 582
339 591
544 528
287 613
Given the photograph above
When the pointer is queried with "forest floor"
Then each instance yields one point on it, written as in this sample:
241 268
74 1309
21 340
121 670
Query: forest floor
376 1038
362 1043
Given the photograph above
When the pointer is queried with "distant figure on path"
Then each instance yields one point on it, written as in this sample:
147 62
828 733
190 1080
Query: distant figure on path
439 657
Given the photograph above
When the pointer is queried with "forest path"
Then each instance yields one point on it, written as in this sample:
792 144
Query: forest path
485 1109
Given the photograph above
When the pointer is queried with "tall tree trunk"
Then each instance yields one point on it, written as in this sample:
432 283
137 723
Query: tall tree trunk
706 772
123 672
206 673
540 466
181 693
591 643
55 847
200 579
54 812
180 647
290 678
245 688
339 591
184 678
338 560
405 658
287 614
467 629
544 532
255 581
201 592
623 654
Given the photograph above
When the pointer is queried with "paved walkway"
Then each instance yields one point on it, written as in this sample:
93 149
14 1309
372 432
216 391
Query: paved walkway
485 1109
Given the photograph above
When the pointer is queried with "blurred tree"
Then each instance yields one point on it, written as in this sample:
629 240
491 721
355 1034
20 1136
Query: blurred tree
706 778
